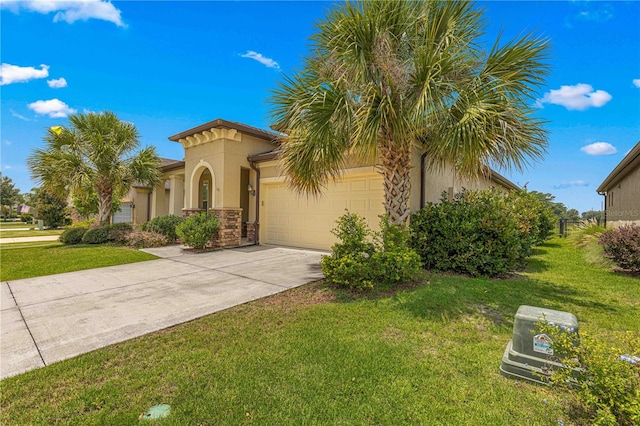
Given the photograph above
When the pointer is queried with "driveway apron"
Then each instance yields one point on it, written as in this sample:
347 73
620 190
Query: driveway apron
47 319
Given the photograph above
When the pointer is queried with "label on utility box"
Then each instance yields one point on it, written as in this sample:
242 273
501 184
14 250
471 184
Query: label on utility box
542 343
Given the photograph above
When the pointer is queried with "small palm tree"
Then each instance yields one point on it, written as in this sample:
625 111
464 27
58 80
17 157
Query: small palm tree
96 152
385 76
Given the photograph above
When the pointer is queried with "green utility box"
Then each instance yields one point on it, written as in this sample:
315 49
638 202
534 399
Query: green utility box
528 355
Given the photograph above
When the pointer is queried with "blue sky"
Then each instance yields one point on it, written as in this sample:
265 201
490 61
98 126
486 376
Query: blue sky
169 66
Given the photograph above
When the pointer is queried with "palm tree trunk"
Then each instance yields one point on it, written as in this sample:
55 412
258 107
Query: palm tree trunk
104 205
395 168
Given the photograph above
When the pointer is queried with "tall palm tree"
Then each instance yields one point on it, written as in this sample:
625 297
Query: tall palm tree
384 76
95 152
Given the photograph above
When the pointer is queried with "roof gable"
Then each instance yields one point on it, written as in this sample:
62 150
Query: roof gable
219 123
629 163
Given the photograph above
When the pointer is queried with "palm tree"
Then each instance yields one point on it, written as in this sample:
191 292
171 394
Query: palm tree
96 152
384 76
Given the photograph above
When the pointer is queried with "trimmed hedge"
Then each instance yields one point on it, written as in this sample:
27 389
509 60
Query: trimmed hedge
197 231
116 232
72 235
98 235
480 233
165 225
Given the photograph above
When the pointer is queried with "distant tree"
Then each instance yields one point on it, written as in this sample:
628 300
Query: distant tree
572 214
559 209
593 214
9 194
95 152
543 196
50 208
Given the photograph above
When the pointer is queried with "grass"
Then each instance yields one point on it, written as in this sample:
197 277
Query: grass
27 260
13 225
427 354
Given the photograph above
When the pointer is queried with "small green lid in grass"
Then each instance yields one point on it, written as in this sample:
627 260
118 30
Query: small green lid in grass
156 412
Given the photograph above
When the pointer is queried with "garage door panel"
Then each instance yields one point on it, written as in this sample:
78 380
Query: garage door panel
359 185
291 219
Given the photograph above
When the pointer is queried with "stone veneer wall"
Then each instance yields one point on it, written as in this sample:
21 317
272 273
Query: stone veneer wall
251 232
190 212
229 233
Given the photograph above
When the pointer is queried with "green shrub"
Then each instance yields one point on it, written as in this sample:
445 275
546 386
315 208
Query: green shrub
622 245
197 231
165 225
72 235
98 235
536 221
364 260
87 223
118 232
604 378
146 239
26 217
475 233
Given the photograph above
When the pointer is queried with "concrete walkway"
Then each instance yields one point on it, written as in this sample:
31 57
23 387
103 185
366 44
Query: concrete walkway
47 319
29 239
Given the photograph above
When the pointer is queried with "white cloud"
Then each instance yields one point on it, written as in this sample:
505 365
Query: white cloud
594 12
565 185
17 74
7 167
268 62
57 83
599 148
54 108
21 117
70 11
578 97
636 82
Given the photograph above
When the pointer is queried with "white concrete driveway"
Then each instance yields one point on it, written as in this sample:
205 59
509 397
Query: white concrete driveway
48 319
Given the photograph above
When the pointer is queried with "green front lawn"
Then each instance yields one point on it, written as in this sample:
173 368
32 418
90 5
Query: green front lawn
13 225
313 355
27 260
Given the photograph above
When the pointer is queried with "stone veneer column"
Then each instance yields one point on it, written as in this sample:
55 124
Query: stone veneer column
229 233
251 232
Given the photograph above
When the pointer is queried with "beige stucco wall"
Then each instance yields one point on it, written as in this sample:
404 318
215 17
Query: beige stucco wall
224 156
439 181
436 181
141 205
139 196
623 200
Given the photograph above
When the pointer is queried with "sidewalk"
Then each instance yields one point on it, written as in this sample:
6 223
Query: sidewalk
29 239
48 319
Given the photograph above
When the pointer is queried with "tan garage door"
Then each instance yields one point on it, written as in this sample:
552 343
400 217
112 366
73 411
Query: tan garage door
294 220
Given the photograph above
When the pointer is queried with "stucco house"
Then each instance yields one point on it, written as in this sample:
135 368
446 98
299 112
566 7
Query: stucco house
233 170
621 190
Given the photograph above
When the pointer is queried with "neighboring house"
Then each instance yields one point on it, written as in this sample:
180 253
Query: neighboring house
233 170
621 190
